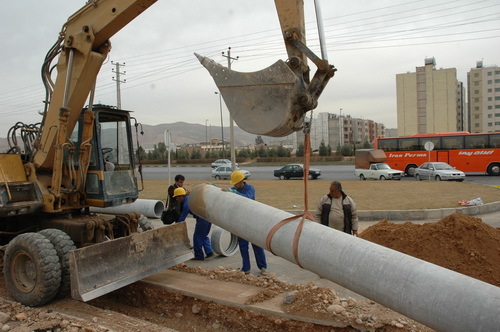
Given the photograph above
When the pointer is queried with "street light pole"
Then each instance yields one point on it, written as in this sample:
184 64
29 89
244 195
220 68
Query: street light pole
221 123
168 139
341 129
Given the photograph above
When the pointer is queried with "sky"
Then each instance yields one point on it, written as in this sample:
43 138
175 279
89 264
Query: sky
369 42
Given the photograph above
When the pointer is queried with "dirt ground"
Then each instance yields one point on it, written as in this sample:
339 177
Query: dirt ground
465 244
368 195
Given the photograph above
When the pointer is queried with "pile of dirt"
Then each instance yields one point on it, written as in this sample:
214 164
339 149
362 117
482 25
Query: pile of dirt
457 242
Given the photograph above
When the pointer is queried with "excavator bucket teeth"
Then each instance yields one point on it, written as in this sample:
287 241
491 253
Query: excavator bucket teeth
101 268
263 102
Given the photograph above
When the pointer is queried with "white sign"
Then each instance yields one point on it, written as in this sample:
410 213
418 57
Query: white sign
429 146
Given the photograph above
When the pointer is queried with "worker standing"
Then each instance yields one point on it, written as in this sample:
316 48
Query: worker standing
246 190
173 208
201 242
337 210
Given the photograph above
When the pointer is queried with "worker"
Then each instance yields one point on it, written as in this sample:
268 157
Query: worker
337 210
173 208
246 190
201 242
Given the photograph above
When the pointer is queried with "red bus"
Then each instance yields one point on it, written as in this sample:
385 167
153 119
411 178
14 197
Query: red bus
470 153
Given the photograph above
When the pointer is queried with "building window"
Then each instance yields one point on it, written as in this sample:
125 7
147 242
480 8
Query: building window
490 73
476 100
476 74
490 82
496 115
490 99
497 89
476 108
490 107
497 98
497 72
497 123
476 124
490 90
490 115
476 83
497 106
490 124
476 116
476 92
497 81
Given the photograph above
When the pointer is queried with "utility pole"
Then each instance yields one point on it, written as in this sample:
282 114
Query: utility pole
118 81
231 123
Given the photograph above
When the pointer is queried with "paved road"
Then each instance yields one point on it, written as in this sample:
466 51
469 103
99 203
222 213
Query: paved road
328 172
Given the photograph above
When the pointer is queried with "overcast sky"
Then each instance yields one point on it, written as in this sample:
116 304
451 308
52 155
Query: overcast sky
369 42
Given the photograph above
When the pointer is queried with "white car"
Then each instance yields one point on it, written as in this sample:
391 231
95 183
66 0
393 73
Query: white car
438 171
222 162
224 172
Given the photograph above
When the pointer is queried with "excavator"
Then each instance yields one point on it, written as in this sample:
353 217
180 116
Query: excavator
81 155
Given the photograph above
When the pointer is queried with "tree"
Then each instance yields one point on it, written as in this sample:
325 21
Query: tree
324 150
282 152
300 151
261 152
259 140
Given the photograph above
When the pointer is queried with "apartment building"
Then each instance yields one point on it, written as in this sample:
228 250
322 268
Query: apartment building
483 92
429 100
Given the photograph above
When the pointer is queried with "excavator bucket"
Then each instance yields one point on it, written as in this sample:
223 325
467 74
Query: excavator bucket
266 102
101 268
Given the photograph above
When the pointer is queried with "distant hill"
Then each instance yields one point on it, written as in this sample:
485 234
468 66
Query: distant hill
182 133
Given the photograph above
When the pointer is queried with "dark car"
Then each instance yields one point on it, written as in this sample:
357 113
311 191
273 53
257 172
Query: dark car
295 171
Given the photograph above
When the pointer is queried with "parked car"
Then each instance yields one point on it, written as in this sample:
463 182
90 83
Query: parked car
224 172
295 171
222 162
438 171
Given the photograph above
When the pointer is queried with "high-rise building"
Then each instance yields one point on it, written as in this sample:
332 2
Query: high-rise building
429 100
339 129
483 91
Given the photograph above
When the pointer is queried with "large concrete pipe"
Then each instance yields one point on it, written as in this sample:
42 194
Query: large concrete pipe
437 297
149 207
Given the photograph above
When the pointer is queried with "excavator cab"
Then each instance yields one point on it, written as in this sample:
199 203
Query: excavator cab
111 178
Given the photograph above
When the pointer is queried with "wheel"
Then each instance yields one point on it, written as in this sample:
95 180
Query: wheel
31 269
382 178
63 245
437 178
362 177
410 170
494 169
217 177
282 177
417 177
310 177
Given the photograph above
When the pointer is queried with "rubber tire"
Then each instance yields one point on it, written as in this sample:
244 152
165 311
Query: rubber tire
310 177
31 269
282 177
362 177
494 169
410 170
217 177
437 178
382 178
63 245
417 177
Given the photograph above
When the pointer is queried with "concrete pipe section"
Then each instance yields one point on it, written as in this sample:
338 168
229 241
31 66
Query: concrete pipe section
223 242
437 297
147 207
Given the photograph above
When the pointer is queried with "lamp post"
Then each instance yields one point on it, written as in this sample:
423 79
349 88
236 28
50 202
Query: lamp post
168 139
341 129
221 123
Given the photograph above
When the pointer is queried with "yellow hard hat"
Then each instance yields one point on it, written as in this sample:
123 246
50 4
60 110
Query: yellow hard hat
236 177
179 192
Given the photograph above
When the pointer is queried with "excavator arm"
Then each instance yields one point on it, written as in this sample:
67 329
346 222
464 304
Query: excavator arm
274 101
82 47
